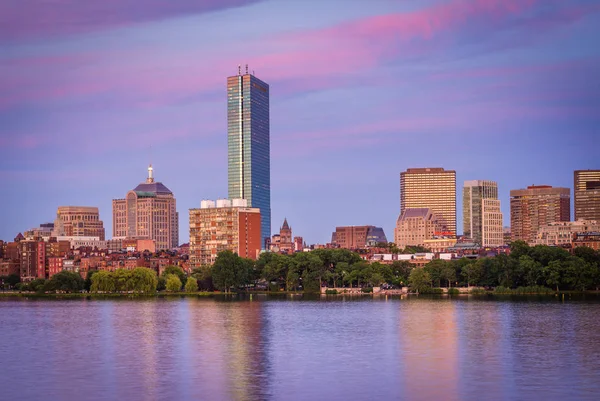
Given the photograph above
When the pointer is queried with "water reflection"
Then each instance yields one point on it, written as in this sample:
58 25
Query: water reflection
338 348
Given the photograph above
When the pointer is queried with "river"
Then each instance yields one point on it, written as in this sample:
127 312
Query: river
296 349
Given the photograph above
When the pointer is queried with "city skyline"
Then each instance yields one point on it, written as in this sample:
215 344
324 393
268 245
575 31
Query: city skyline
82 107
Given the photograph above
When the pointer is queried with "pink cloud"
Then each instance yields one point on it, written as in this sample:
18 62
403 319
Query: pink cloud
23 19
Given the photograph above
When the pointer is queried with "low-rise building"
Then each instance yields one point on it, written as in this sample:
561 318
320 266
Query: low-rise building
587 239
562 233
415 225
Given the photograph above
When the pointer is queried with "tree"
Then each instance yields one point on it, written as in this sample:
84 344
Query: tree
178 271
203 277
65 281
225 270
530 269
162 284
88 279
103 281
419 280
11 280
448 273
552 273
173 283
471 272
143 280
37 285
191 285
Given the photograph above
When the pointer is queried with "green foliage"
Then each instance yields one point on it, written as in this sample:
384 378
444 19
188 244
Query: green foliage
231 271
416 249
178 271
367 290
477 291
173 283
429 290
65 281
88 279
36 285
331 292
453 291
419 280
162 284
140 280
10 281
191 285
524 290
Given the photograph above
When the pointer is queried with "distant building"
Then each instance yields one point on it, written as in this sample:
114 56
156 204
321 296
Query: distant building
562 233
44 231
298 244
224 225
357 237
416 225
33 260
433 188
78 221
537 206
587 194
148 212
587 239
482 218
507 235
248 144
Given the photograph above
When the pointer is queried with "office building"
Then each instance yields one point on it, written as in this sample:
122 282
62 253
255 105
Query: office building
562 233
357 237
416 225
78 221
535 207
149 211
249 171
432 188
224 225
482 218
587 194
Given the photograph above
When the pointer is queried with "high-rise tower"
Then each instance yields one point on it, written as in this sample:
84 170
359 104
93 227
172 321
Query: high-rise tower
482 218
249 166
148 212
587 195
433 188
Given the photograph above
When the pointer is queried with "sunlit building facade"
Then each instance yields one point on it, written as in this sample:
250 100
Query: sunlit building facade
587 194
482 218
433 188
224 225
416 225
535 207
78 221
148 212
357 237
248 144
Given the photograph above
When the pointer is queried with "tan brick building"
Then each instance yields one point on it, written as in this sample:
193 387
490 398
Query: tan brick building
224 225
78 221
535 207
416 225
433 188
587 194
148 212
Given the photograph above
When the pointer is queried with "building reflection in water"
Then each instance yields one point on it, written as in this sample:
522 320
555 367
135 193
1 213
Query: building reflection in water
428 335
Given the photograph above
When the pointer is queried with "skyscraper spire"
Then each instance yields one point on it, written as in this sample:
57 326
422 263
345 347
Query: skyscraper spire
150 178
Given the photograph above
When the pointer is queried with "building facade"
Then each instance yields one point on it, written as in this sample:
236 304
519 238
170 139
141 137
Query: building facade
225 225
587 194
482 218
148 212
535 207
357 237
282 242
433 188
416 225
562 233
248 144
78 221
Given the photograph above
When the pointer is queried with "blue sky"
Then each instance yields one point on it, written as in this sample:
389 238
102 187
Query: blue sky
505 90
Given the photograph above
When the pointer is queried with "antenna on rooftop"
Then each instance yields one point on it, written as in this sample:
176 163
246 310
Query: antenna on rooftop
246 68
239 69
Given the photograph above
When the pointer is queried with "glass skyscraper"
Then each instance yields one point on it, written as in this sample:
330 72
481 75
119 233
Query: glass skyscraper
249 166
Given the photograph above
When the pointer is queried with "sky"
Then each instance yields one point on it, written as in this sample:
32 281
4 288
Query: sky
92 92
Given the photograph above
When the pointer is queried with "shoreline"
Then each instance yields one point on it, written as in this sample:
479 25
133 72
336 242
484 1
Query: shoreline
207 294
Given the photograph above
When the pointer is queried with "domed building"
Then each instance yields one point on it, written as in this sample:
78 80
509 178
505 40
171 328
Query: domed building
148 212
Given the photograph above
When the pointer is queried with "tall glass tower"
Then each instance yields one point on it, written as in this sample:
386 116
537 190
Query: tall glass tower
249 165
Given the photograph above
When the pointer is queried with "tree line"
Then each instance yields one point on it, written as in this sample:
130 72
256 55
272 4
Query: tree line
525 266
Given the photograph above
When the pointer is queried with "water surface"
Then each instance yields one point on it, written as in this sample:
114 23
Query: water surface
294 349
